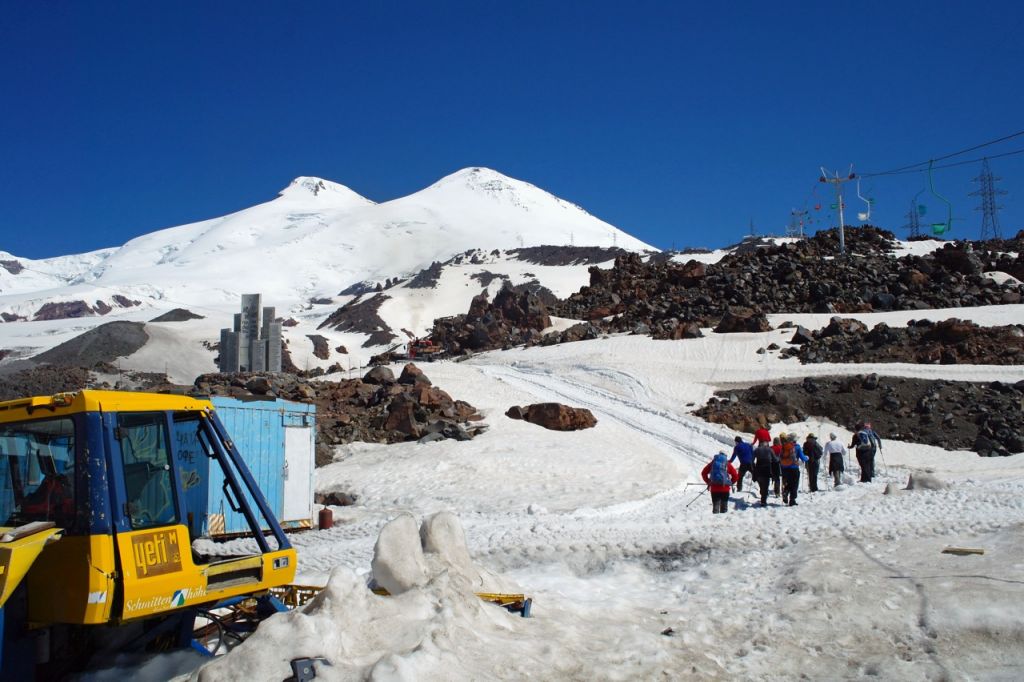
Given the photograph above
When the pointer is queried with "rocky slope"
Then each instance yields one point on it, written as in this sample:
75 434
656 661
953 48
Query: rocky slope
377 408
806 276
985 418
947 342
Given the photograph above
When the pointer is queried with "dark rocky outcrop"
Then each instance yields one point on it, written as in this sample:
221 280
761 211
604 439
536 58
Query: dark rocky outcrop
584 331
513 318
427 278
362 316
374 409
12 266
124 301
177 315
321 346
951 341
485 278
379 376
554 416
739 319
63 310
805 276
566 255
987 418
72 309
103 344
44 380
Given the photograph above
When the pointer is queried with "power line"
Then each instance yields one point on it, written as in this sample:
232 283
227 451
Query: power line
946 156
947 165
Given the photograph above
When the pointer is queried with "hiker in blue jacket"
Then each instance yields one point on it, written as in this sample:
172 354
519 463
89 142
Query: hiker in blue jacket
866 443
745 454
791 458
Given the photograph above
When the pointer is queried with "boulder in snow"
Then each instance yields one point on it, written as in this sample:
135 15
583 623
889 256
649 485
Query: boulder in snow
379 375
558 417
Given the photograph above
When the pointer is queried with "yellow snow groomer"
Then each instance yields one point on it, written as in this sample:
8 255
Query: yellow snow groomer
99 548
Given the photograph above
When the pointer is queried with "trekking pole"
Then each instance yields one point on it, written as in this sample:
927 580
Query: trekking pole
884 465
698 495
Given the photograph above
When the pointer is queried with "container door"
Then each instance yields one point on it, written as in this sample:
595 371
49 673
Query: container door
298 473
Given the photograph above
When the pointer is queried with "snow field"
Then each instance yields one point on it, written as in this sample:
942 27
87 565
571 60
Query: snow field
600 528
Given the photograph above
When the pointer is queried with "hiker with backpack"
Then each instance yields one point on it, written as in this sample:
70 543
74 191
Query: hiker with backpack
866 443
776 468
836 452
790 459
745 454
764 461
720 477
814 454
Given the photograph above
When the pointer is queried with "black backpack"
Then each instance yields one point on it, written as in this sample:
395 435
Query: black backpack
764 455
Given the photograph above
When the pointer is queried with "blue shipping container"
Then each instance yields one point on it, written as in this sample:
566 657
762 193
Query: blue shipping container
276 438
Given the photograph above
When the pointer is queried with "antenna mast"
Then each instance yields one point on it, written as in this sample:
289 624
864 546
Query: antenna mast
914 218
988 193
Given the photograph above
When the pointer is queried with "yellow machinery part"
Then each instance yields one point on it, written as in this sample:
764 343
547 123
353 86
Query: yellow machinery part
160 575
73 581
297 595
17 555
63 404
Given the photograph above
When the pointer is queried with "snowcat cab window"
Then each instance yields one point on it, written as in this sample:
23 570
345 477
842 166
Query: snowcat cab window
192 454
37 472
147 469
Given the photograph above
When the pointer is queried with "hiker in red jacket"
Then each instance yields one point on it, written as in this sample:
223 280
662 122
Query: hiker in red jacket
761 436
720 477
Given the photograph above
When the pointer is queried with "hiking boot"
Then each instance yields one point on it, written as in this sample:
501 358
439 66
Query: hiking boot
792 504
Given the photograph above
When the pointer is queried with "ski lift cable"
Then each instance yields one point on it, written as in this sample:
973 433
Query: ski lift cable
946 156
945 165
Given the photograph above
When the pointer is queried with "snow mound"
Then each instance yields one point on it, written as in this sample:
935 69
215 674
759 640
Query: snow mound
398 563
920 480
405 558
432 624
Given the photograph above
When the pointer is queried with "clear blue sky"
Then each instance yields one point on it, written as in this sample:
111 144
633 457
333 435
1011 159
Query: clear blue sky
678 122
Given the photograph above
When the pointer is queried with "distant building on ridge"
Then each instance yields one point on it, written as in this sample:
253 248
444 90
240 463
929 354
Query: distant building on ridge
254 344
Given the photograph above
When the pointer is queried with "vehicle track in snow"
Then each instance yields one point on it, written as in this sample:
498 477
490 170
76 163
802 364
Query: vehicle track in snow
662 528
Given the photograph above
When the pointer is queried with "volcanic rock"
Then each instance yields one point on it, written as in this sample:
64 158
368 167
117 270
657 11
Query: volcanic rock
558 417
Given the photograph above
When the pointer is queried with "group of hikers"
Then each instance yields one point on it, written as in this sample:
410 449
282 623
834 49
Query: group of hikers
777 461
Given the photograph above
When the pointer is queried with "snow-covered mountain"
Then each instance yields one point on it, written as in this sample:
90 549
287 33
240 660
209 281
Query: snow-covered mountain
313 241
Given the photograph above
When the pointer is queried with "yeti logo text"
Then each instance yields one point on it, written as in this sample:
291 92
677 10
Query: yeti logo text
156 553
